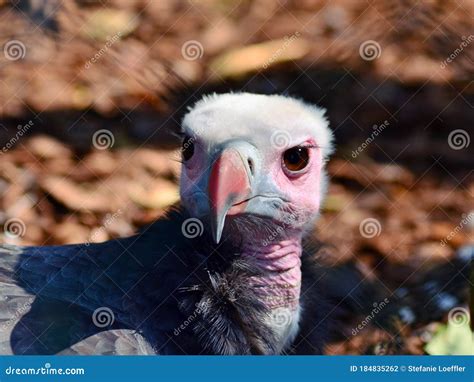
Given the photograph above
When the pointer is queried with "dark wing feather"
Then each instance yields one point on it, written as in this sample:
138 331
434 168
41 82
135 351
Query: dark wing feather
49 295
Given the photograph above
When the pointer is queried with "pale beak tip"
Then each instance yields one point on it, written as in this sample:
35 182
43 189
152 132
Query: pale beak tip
217 230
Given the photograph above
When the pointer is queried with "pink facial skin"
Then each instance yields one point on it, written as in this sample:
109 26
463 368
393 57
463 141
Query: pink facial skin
228 190
303 189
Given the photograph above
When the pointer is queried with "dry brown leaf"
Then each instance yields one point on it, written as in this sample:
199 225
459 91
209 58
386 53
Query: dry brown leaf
48 148
160 195
240 61
77 198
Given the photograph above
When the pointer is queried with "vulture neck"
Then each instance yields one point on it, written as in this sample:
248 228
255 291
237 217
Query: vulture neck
279 284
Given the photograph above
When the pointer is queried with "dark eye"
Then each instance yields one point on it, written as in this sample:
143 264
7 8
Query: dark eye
187 148
296 158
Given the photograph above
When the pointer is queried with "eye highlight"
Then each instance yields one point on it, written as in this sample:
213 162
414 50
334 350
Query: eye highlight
296 158
187 148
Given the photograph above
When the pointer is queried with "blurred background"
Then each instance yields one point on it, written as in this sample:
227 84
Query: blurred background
91 92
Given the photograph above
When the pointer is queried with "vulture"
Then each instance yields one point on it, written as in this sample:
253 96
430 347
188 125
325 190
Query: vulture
231 270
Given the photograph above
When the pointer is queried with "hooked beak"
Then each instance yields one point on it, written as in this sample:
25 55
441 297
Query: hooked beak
229 185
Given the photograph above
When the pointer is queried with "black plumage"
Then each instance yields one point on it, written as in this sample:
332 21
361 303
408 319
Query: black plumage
167 296
153 284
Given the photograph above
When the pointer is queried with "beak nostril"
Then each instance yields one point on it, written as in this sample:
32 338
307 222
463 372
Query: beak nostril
250 163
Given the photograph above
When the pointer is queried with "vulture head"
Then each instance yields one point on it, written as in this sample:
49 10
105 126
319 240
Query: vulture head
253 166
253 173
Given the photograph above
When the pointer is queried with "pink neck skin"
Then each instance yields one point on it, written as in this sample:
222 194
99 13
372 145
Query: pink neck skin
281 262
